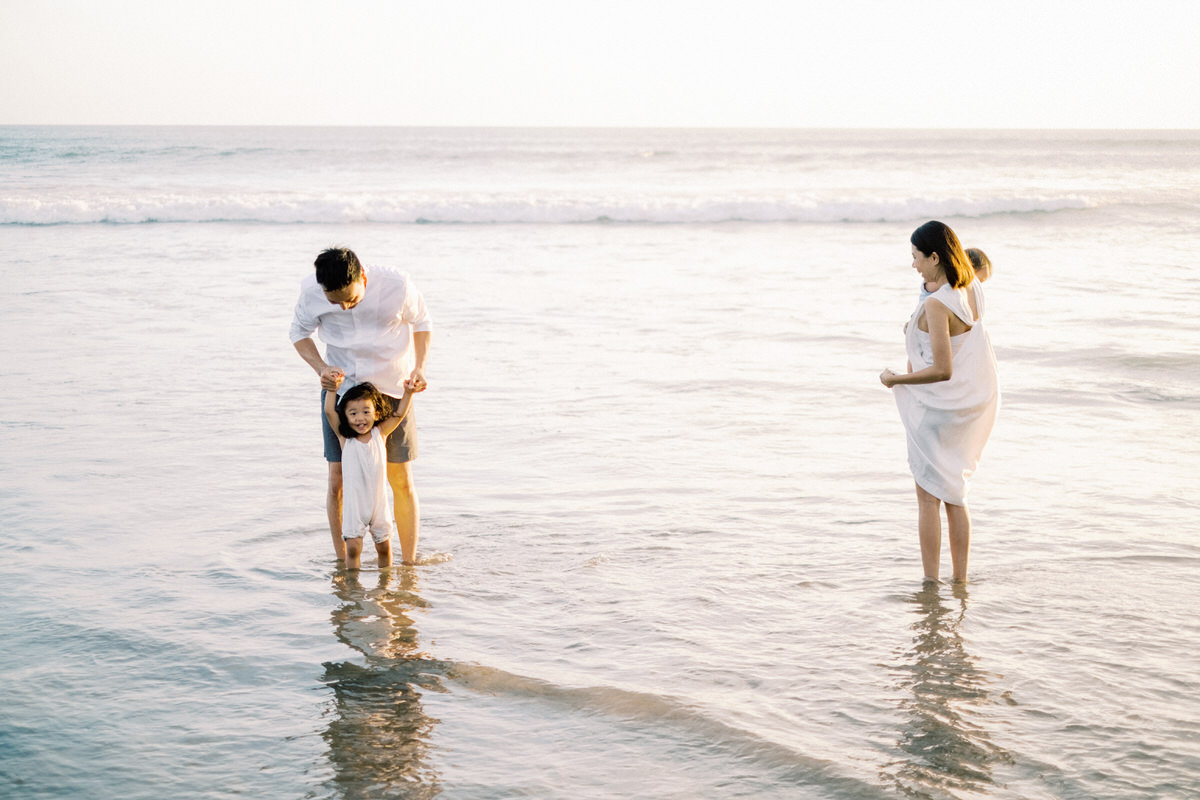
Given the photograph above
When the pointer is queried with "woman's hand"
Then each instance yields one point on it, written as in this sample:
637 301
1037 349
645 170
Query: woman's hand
887 378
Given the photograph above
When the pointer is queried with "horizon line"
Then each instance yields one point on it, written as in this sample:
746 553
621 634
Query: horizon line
427 126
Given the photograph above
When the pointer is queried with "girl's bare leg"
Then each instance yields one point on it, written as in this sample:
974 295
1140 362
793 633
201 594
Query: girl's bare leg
384 551
959 523
929 528
353 552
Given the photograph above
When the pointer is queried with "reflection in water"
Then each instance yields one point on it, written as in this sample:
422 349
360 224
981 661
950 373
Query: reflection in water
379 736
949 752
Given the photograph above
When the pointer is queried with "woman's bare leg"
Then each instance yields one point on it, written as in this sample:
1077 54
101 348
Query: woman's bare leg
959 524
929 528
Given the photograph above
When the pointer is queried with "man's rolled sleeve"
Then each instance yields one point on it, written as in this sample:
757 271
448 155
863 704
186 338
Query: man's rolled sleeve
415 313
304 322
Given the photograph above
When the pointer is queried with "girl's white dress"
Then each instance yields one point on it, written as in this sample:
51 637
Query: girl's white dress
948 423
366 495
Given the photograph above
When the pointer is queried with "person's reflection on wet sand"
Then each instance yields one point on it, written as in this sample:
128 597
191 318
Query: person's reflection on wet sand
379 734
949 750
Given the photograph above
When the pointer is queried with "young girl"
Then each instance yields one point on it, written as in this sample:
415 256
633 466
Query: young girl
363 419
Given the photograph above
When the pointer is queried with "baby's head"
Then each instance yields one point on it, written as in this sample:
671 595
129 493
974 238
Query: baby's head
980 263
361 409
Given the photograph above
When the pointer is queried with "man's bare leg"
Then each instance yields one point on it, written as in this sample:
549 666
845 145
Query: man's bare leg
407 510
333 509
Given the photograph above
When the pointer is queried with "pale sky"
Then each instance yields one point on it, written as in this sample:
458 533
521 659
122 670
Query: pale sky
790 63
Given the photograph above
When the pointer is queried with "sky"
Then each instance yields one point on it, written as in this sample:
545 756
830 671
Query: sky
741 63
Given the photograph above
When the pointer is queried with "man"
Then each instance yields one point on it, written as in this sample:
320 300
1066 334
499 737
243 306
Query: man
375 329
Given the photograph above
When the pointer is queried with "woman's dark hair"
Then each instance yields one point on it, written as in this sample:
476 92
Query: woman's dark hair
337 268
937 237
362 391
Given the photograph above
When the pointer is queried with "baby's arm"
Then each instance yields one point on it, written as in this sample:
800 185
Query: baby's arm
331 414
398 414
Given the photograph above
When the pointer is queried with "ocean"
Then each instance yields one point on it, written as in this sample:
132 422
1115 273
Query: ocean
669 542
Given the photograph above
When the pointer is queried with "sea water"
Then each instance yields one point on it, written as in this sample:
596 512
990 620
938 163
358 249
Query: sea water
669 536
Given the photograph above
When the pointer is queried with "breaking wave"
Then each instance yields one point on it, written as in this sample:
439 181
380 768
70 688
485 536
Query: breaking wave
493 208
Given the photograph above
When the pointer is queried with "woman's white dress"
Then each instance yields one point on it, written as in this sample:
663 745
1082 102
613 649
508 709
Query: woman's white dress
366 495
949 422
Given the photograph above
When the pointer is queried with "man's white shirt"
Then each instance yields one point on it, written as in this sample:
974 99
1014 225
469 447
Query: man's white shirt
373 340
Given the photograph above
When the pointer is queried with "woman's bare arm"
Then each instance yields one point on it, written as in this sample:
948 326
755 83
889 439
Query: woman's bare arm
937 316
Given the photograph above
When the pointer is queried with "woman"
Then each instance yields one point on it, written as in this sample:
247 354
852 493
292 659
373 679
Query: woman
949 396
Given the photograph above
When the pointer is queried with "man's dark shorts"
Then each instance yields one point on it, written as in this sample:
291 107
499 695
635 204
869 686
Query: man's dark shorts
401 445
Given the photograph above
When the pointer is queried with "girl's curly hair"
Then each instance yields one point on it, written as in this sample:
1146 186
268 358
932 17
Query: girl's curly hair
362 391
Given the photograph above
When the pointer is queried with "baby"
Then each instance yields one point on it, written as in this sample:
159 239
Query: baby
980 263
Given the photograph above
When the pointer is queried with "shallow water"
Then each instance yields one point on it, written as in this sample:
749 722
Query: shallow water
669 541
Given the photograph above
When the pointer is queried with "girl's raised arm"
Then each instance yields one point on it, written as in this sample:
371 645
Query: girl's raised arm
393 421
331 414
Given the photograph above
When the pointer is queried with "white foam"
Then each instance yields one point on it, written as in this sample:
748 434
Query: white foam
496 207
